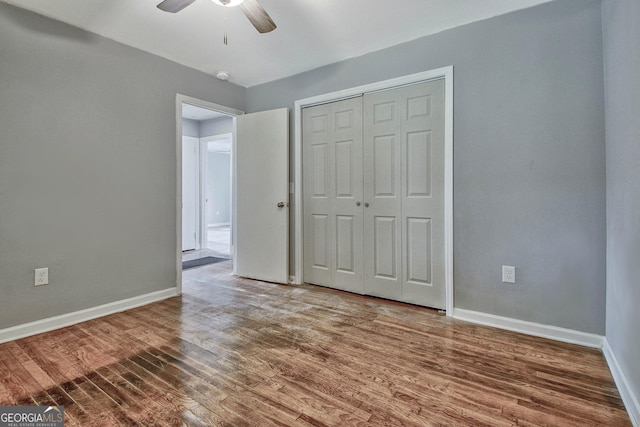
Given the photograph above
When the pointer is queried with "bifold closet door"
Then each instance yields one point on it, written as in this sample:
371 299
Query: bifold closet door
332 188
373 184
404 194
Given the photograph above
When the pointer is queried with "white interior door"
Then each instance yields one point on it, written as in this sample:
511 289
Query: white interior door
423 230
332 177
404 194
190 178
262 196
383 194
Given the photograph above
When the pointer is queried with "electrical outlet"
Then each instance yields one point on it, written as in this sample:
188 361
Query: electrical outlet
508 274
42 277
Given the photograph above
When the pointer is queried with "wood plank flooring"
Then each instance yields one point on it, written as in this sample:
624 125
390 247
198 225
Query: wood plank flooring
236 352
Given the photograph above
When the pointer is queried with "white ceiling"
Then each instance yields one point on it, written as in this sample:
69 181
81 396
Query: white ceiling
310 33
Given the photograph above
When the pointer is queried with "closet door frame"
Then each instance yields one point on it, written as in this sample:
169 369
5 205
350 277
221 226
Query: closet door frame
445 73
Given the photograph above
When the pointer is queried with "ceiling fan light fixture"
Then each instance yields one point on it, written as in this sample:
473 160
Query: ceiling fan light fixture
228 3
255 13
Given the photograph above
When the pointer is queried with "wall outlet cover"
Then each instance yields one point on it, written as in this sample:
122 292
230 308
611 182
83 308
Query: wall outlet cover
41 277
508 274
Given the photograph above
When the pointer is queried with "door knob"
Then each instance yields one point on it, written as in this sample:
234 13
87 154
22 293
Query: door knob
281 204
357 203
366 205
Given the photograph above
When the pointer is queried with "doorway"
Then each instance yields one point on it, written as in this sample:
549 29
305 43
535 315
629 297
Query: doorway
206 182
207 136
259 219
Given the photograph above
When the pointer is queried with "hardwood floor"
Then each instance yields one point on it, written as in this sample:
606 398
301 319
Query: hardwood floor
235 352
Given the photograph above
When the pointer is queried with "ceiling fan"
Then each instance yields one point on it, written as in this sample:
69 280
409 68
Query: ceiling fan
251 8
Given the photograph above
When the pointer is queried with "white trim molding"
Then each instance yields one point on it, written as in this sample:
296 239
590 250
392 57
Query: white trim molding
630 399
530 328
68 319
445 73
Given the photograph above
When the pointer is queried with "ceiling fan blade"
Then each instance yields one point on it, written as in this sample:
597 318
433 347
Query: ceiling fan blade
258 16
174 6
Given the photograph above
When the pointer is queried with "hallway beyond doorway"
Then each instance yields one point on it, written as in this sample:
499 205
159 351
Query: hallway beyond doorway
219 240
218 244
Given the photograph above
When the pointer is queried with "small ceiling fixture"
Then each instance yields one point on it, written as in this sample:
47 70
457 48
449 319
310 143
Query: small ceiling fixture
222 75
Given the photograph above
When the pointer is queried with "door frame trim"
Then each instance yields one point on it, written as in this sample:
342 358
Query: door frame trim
445 73
184 99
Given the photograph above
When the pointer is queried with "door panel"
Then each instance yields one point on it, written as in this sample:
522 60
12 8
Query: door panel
423 202
404 186
320 170
419 245
347 201
344 172
262 177
384 237
317 188
332 181
345 243
418 161
321 242
384 172
382 194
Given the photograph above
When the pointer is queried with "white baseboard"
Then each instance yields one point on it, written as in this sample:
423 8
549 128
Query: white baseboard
530 328
629 398
63 320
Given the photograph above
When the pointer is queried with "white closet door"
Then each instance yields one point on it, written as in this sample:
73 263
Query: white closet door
373 174
404 194
423 261
383 113
333 209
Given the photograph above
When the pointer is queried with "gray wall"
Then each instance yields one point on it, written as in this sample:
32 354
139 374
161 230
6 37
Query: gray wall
87 166
529 155
621 30
219 188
